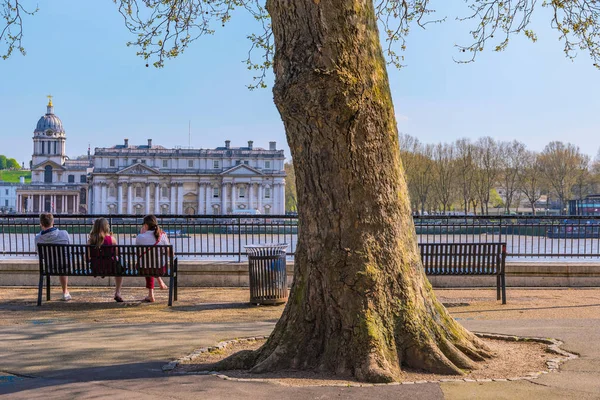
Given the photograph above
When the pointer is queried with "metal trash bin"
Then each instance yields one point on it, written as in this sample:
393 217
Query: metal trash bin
268 275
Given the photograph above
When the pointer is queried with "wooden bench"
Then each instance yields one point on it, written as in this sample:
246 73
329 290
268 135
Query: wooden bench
466 259
121 260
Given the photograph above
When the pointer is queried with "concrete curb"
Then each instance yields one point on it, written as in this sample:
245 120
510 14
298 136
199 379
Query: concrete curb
553 364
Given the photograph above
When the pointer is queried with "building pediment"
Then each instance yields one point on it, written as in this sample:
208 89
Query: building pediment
45 163
242 169
138 169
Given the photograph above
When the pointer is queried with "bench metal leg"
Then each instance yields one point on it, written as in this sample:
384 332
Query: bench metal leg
40 290
503 289
497 287
171 289
47 287
175 284
176 287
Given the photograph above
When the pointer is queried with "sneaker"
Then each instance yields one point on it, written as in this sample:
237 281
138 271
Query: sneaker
66 297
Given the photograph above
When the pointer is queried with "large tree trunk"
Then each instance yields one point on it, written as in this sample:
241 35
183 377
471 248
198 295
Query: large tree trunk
360 304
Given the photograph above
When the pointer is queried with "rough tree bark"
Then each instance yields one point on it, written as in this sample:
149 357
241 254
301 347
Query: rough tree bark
360 304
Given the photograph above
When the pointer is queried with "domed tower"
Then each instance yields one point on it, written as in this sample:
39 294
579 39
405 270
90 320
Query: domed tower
49 140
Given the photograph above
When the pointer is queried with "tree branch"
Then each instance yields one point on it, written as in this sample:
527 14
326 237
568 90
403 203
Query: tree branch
12 12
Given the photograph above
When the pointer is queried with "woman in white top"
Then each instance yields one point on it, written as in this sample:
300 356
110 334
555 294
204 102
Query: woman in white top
152 235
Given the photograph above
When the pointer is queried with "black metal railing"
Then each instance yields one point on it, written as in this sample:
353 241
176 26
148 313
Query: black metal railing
211 236
191 236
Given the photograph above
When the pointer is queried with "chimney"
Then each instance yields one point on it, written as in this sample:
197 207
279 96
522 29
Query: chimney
227 143
126 143
250 144
150 143
272 145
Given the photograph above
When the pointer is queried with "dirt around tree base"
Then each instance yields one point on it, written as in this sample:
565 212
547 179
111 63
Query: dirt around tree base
514 360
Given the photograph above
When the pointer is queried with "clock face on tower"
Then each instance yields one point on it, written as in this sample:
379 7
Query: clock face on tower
49 132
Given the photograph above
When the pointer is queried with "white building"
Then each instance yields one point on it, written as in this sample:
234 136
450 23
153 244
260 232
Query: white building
58 184
133 179
130 179
8 197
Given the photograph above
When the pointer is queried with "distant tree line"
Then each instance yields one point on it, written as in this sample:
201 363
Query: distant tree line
8 163
467 175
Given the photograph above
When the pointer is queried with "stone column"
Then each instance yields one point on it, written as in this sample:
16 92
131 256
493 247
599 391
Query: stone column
129 195
260 197
180 199
156 198
275 198
147 198
233 196
76 206
96 202
281 205
120 198
63 203
201 197
251 196
103 209
207 198
173 202
224 198
40 203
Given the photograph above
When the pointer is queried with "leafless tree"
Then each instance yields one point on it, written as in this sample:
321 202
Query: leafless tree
512 157
561 165
487 170
444 174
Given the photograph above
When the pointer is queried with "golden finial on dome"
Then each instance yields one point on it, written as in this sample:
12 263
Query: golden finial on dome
49 100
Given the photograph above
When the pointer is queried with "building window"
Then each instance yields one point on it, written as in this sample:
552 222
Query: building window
190 163
55 152
43 145
111 163
143 162
82 196
138 191
82 179
165 191
238 162
246 162
267 210
267 164
111 191
47 174
5 203
71 178
216 192
267 193
6 192
165 163
215 164
242 192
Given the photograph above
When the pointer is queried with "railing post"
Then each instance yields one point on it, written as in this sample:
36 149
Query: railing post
239 222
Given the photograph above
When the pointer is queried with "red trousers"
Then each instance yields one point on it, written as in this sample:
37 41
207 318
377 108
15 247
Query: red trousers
149 282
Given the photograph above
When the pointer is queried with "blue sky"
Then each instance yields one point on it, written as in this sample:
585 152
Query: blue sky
103 92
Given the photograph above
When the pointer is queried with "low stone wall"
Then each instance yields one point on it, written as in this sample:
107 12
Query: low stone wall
194 273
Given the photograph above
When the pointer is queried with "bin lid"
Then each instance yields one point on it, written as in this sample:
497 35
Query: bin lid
266 248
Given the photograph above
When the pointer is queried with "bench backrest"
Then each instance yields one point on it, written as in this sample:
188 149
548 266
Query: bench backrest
86 260
463 258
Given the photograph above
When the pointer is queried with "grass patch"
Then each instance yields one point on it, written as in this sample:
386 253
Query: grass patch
13 176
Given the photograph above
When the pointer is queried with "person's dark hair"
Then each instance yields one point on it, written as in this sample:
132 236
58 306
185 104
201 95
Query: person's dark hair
46 219
152 223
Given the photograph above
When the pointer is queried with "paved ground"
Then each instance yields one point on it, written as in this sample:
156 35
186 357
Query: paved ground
95 348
